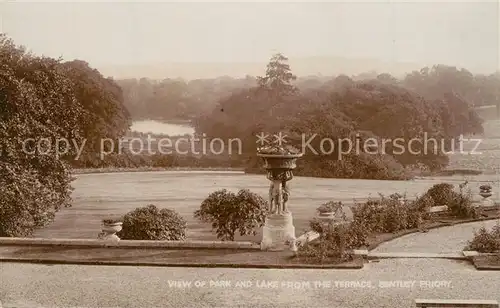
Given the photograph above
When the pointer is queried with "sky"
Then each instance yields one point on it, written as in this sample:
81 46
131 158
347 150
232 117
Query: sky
464 34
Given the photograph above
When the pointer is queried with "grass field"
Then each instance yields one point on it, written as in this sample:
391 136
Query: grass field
486 156
107 195
100 196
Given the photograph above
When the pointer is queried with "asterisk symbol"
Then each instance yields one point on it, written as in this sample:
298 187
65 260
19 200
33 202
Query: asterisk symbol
262 138
280 138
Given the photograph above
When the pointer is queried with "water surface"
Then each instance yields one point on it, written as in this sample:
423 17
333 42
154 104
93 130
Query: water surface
156 127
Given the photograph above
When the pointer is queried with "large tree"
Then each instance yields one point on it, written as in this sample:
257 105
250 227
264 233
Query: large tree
103 114
36 102
43 101
279 77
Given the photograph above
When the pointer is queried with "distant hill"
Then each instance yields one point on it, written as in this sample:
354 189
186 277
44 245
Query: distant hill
326 66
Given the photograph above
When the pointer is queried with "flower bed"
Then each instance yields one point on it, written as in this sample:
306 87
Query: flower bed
380 220
235 258
486 243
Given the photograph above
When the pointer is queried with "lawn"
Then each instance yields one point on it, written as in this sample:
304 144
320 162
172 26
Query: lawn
164 257
107 195
101 196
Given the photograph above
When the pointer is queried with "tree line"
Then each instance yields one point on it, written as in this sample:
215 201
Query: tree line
172 99
343 108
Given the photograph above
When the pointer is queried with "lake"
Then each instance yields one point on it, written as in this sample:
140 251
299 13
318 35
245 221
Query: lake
157 127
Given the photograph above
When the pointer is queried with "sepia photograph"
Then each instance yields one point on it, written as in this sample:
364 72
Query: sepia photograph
275 154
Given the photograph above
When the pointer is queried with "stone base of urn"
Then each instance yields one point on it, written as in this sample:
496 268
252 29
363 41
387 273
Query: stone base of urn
109 237
278 233
109 232
486 193
487 202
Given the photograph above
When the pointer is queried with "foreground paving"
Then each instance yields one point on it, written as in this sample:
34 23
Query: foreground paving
440 240
29 285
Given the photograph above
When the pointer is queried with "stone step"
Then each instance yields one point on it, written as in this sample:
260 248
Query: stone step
423 255
307 237
436 209
472 303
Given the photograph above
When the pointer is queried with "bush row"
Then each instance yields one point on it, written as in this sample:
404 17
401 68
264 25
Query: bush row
129 160
244 213
227 212
383 215
485 240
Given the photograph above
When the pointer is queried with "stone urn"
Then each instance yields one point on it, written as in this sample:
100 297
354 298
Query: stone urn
327 211
334 209
278 231
109 230
335 213
485 192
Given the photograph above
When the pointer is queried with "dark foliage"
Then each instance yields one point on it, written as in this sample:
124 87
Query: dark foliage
152 223
228 213
333 124
484 240
45 110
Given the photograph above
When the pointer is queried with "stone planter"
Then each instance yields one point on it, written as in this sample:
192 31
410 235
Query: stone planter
278 231
327 218
485 192
335 212
109 231
280 161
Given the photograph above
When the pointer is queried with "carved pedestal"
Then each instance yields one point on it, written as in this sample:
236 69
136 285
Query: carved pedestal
278 232
109 236
487 202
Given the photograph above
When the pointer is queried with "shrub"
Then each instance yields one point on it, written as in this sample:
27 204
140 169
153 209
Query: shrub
395 214
460 204
441 193
322 251
317 225
357 235
423 205
369 214
229 212
151 223
415 216
332 246
485 241
356 232
391 214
